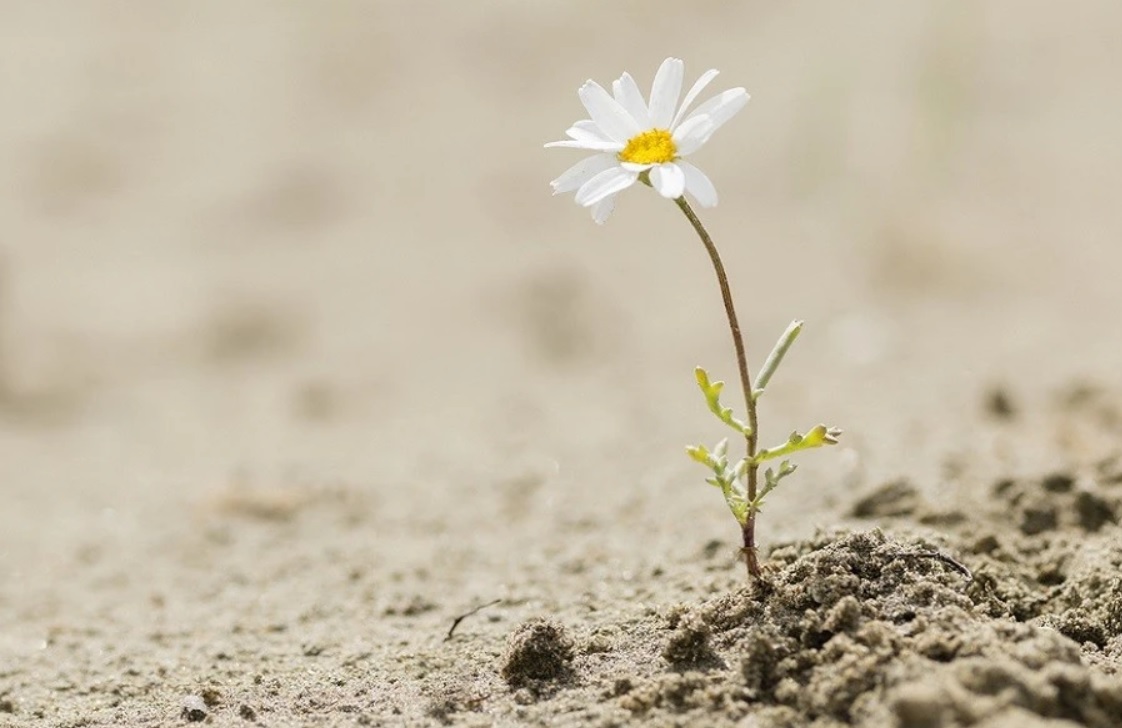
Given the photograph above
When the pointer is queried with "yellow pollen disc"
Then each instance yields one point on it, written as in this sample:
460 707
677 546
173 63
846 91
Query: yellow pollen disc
651 147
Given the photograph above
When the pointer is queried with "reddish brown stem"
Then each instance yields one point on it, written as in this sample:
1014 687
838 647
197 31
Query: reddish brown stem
751 561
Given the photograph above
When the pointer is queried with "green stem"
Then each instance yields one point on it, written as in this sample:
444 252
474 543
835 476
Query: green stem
748 530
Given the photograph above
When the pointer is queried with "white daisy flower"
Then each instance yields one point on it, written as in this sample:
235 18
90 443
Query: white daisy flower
633 139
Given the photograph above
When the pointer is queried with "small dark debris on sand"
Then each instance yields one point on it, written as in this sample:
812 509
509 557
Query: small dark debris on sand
461 617
538 651
895 499
901 499
1058 501
999 403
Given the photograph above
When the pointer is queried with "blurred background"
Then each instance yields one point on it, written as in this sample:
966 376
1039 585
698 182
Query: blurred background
255 250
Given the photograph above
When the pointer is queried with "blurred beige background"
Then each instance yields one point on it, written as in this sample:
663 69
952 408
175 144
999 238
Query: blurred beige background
277 245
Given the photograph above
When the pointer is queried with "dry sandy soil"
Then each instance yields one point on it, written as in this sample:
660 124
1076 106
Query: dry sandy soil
299 361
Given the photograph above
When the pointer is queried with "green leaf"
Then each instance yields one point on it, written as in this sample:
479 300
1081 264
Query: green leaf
818 436
775 358
712 392
821 435
699 453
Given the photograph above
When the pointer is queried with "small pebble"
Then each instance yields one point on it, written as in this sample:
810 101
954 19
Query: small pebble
1000 405
194 708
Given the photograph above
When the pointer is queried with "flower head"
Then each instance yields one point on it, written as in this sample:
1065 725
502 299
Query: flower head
632 138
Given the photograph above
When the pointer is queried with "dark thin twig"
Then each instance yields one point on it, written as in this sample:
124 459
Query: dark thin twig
465 615
939 556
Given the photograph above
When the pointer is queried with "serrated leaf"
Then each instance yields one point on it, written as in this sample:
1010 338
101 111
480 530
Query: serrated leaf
817 437
712 392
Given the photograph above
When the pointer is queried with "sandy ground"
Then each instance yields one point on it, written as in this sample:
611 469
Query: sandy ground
299 360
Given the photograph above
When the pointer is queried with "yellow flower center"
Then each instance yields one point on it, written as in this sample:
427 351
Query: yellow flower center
651 147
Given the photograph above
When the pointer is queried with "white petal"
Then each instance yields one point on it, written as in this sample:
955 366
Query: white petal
590 145
586 128
691 96
627 93
635 166
664 92
603 209
591 134
581 172
693 132
698 185
669 180
721 108
612 118
607 183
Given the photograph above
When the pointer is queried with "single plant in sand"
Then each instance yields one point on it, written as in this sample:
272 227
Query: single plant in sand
637 141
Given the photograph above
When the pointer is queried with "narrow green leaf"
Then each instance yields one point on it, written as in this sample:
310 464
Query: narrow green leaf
775 358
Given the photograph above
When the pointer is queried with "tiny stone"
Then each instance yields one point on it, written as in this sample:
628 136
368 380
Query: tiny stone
247 712
711 548
1036 520
1094 511
622 686
194 709
1003 486
1058 483
986 544
894 499
999 404
598 644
